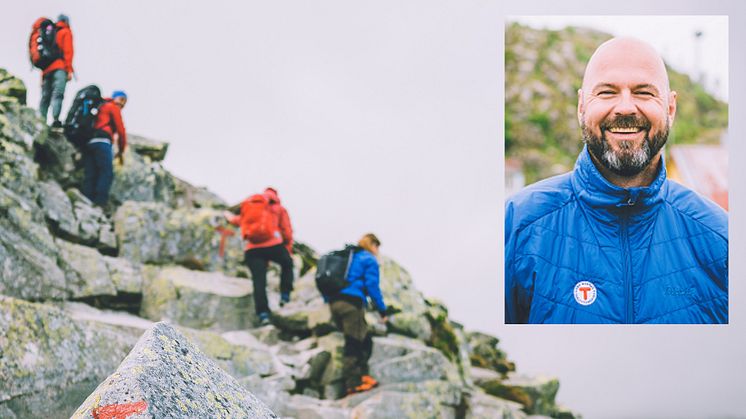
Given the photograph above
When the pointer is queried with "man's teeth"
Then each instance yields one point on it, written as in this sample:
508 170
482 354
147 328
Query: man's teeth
624 130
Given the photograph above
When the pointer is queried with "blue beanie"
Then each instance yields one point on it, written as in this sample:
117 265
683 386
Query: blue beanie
118 93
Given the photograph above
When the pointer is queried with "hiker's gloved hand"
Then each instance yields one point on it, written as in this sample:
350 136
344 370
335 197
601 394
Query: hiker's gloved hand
120 157
69 76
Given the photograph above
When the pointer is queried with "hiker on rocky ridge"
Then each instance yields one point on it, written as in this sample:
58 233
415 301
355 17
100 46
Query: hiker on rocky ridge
265 225
348 313
51 50
97 153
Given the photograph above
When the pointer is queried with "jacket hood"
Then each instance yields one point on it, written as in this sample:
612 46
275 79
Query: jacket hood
37 24
272 195
62 25
593 188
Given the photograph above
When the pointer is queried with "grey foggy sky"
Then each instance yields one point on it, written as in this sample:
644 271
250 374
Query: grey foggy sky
383 117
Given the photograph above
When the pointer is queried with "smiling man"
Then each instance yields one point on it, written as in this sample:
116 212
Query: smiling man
614 241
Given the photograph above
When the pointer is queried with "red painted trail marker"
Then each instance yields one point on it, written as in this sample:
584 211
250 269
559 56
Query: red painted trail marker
224 232
119 411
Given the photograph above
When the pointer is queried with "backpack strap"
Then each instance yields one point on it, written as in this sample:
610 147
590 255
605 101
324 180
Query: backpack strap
349 260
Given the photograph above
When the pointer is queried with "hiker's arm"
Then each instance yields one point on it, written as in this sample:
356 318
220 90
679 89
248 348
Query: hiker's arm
372 284
119 125
516 297
286 230
234 219
67 52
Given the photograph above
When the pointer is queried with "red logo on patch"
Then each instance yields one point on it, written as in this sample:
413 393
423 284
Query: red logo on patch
585 293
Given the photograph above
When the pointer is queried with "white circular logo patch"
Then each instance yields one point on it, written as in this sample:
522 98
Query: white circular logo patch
585 293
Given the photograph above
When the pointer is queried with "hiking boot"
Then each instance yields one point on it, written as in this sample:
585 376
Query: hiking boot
368 379
284 299
57 124
368 384
264 319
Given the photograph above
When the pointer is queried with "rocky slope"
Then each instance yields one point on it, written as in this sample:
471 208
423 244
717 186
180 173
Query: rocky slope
543 72
81 288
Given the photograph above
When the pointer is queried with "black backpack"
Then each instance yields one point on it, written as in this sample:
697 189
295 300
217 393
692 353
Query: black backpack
81 119
44 44
332 270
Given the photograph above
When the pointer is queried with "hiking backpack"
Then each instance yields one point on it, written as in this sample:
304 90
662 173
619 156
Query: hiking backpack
258 222
81 119
43 48
332 270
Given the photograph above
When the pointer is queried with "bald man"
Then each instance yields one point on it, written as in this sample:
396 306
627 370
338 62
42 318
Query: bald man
615 241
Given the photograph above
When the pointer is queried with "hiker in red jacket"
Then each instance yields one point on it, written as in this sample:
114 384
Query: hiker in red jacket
55 75
265 225
97 154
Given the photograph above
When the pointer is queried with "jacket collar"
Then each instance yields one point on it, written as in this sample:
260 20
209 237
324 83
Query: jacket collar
594 190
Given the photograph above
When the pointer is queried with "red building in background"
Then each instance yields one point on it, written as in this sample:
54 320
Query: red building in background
701 167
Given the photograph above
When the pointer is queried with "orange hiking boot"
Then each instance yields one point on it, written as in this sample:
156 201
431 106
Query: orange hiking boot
368 383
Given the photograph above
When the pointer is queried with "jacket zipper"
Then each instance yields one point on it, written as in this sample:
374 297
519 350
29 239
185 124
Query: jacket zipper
629 304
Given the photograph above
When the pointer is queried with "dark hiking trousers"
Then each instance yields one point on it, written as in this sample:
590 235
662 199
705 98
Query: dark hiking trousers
257 261
98 170
53 90
350 319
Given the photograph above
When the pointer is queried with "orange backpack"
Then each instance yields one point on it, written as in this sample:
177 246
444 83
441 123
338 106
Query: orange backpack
43 48
258 222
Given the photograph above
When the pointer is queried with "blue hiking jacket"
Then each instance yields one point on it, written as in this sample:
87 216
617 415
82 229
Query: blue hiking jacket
579 249
363 276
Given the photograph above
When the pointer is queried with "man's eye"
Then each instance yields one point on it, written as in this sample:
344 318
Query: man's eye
645 93
606 92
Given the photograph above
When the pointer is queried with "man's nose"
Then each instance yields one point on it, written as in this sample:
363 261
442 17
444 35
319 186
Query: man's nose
626 104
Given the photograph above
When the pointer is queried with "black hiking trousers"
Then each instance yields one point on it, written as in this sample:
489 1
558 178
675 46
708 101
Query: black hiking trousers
257 261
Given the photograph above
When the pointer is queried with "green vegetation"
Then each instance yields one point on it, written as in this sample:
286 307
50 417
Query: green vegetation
443 337
308 256
516 394
485 354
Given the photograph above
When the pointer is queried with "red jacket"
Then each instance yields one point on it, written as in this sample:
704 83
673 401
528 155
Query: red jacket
285 229
65 44
110 121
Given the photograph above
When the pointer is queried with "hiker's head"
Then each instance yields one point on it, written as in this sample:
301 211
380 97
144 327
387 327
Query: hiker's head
119 98
272 193
625 105
370 243
63 18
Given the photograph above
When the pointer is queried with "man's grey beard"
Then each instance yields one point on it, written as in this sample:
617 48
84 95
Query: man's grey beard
628 161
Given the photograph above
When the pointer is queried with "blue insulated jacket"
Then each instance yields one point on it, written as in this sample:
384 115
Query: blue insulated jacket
579 249
363 276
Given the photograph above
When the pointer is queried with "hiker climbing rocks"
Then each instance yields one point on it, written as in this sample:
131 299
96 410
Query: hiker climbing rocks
348 312
265 225
51 50
97 152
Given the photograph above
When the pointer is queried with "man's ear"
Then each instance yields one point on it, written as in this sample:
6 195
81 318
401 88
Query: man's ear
580 107
671 107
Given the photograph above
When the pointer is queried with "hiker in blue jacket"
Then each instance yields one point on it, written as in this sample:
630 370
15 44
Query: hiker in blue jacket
615 241
348 313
